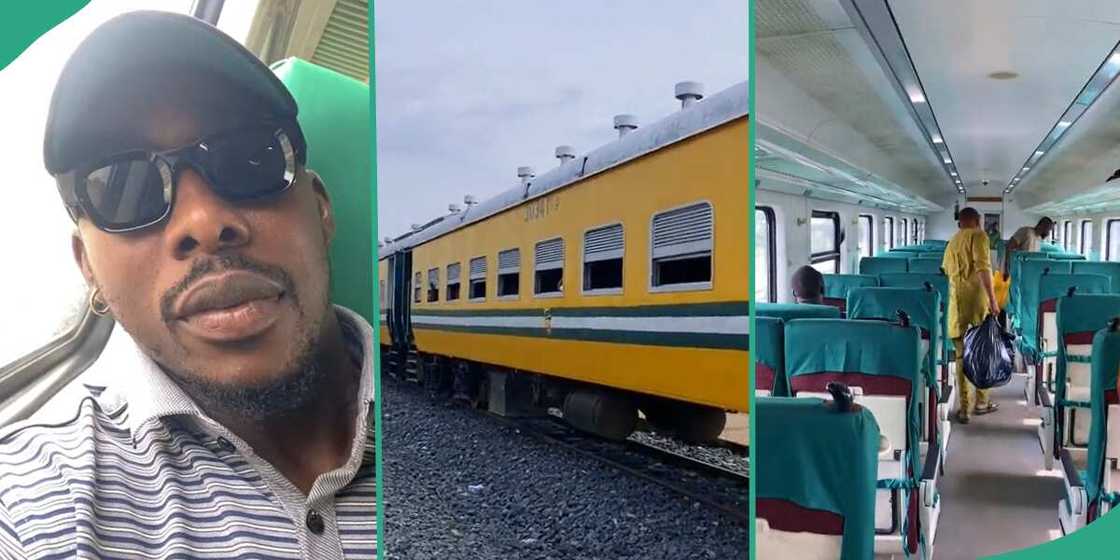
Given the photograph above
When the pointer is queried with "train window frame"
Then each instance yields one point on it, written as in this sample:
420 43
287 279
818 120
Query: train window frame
826 256
1108 256
417 287
914 231
584 290
505 273
771 252
1067 234
888 239
458 283
870 235
537 268
1085 244
433 285
653 260
905 230
472 278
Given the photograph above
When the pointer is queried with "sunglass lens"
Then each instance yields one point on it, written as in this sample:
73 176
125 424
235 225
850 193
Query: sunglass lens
256 163
127 194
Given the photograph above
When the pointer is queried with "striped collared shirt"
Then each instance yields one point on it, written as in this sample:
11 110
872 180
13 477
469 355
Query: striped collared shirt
132 468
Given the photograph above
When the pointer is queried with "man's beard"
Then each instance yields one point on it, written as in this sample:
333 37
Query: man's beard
291 391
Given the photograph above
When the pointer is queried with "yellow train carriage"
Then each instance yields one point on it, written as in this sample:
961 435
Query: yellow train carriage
625 269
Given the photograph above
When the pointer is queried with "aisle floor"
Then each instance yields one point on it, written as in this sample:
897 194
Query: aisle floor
995 494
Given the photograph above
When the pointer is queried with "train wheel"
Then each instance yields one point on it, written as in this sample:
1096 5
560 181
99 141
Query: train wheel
688 422
435 377
609 415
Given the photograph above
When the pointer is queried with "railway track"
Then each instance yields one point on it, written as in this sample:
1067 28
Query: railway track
702 483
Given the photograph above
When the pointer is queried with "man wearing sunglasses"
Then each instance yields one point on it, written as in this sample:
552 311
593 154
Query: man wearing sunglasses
239 421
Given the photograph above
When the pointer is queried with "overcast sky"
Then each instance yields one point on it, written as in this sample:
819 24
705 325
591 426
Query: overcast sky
468 92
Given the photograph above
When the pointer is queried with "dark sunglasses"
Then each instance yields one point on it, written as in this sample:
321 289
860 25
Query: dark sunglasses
134 190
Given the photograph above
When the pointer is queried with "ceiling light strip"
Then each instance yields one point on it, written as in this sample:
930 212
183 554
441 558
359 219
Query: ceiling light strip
1100 81
876 22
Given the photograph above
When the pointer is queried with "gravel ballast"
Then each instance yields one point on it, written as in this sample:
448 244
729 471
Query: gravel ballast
459 485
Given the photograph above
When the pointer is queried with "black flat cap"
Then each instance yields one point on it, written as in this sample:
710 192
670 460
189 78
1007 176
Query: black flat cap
132 62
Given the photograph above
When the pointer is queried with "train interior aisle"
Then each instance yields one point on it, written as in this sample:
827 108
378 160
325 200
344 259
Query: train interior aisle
877 121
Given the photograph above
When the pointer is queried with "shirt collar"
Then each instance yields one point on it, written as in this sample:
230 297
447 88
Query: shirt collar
150 394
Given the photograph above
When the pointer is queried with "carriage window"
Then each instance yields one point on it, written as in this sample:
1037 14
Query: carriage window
765 250
509 272
914 231
902 231
682 247
478 278
1086 237
453 282
888 233
1067 235
548 267
1112 240
825 242
602 258
416 288
433 284
866 235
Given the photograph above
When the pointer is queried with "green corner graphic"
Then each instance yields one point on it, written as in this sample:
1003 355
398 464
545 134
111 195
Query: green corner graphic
1097 537
28 22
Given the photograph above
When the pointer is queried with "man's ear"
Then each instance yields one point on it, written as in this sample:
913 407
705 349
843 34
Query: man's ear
326 211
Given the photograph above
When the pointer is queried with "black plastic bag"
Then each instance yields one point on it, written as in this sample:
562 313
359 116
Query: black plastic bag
989 354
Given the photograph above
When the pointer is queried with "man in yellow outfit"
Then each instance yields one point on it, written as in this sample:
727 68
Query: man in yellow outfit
968 264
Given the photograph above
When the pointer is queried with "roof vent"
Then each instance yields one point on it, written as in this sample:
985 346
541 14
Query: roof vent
525 173
416 227
689 93
470 200
565 153
388 240
625 123
454 208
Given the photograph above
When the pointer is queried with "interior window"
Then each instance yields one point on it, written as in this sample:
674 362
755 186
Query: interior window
825 241
866 235
888 233
1112 240
1086 237
602 258
765 249
682 247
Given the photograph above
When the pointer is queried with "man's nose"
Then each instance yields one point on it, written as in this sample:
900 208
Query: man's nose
201 221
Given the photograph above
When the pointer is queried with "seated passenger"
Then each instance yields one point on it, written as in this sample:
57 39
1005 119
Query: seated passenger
808 285
239 421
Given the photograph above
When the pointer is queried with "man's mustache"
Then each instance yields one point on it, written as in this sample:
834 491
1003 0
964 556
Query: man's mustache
209 265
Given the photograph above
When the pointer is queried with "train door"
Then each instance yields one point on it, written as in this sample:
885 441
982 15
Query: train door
400 329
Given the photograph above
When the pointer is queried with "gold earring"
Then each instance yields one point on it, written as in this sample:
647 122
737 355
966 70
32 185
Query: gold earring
99 307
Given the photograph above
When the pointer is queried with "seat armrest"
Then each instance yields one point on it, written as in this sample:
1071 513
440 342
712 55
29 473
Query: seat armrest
933 461
1044 396
946 393
1072 476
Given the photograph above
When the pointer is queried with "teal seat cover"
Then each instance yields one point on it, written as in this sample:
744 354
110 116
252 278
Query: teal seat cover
820 459
790 311
939 281
879 265
876 348
1029 283
1106 360
1015 269
923 307
838 285
939 243
925 265
1077 314
770 350
1110 269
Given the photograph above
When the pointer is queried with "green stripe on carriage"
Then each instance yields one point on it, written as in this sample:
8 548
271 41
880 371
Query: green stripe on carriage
708 309
678 340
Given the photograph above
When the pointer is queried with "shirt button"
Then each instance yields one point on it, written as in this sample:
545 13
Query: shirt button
315 522
225 445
